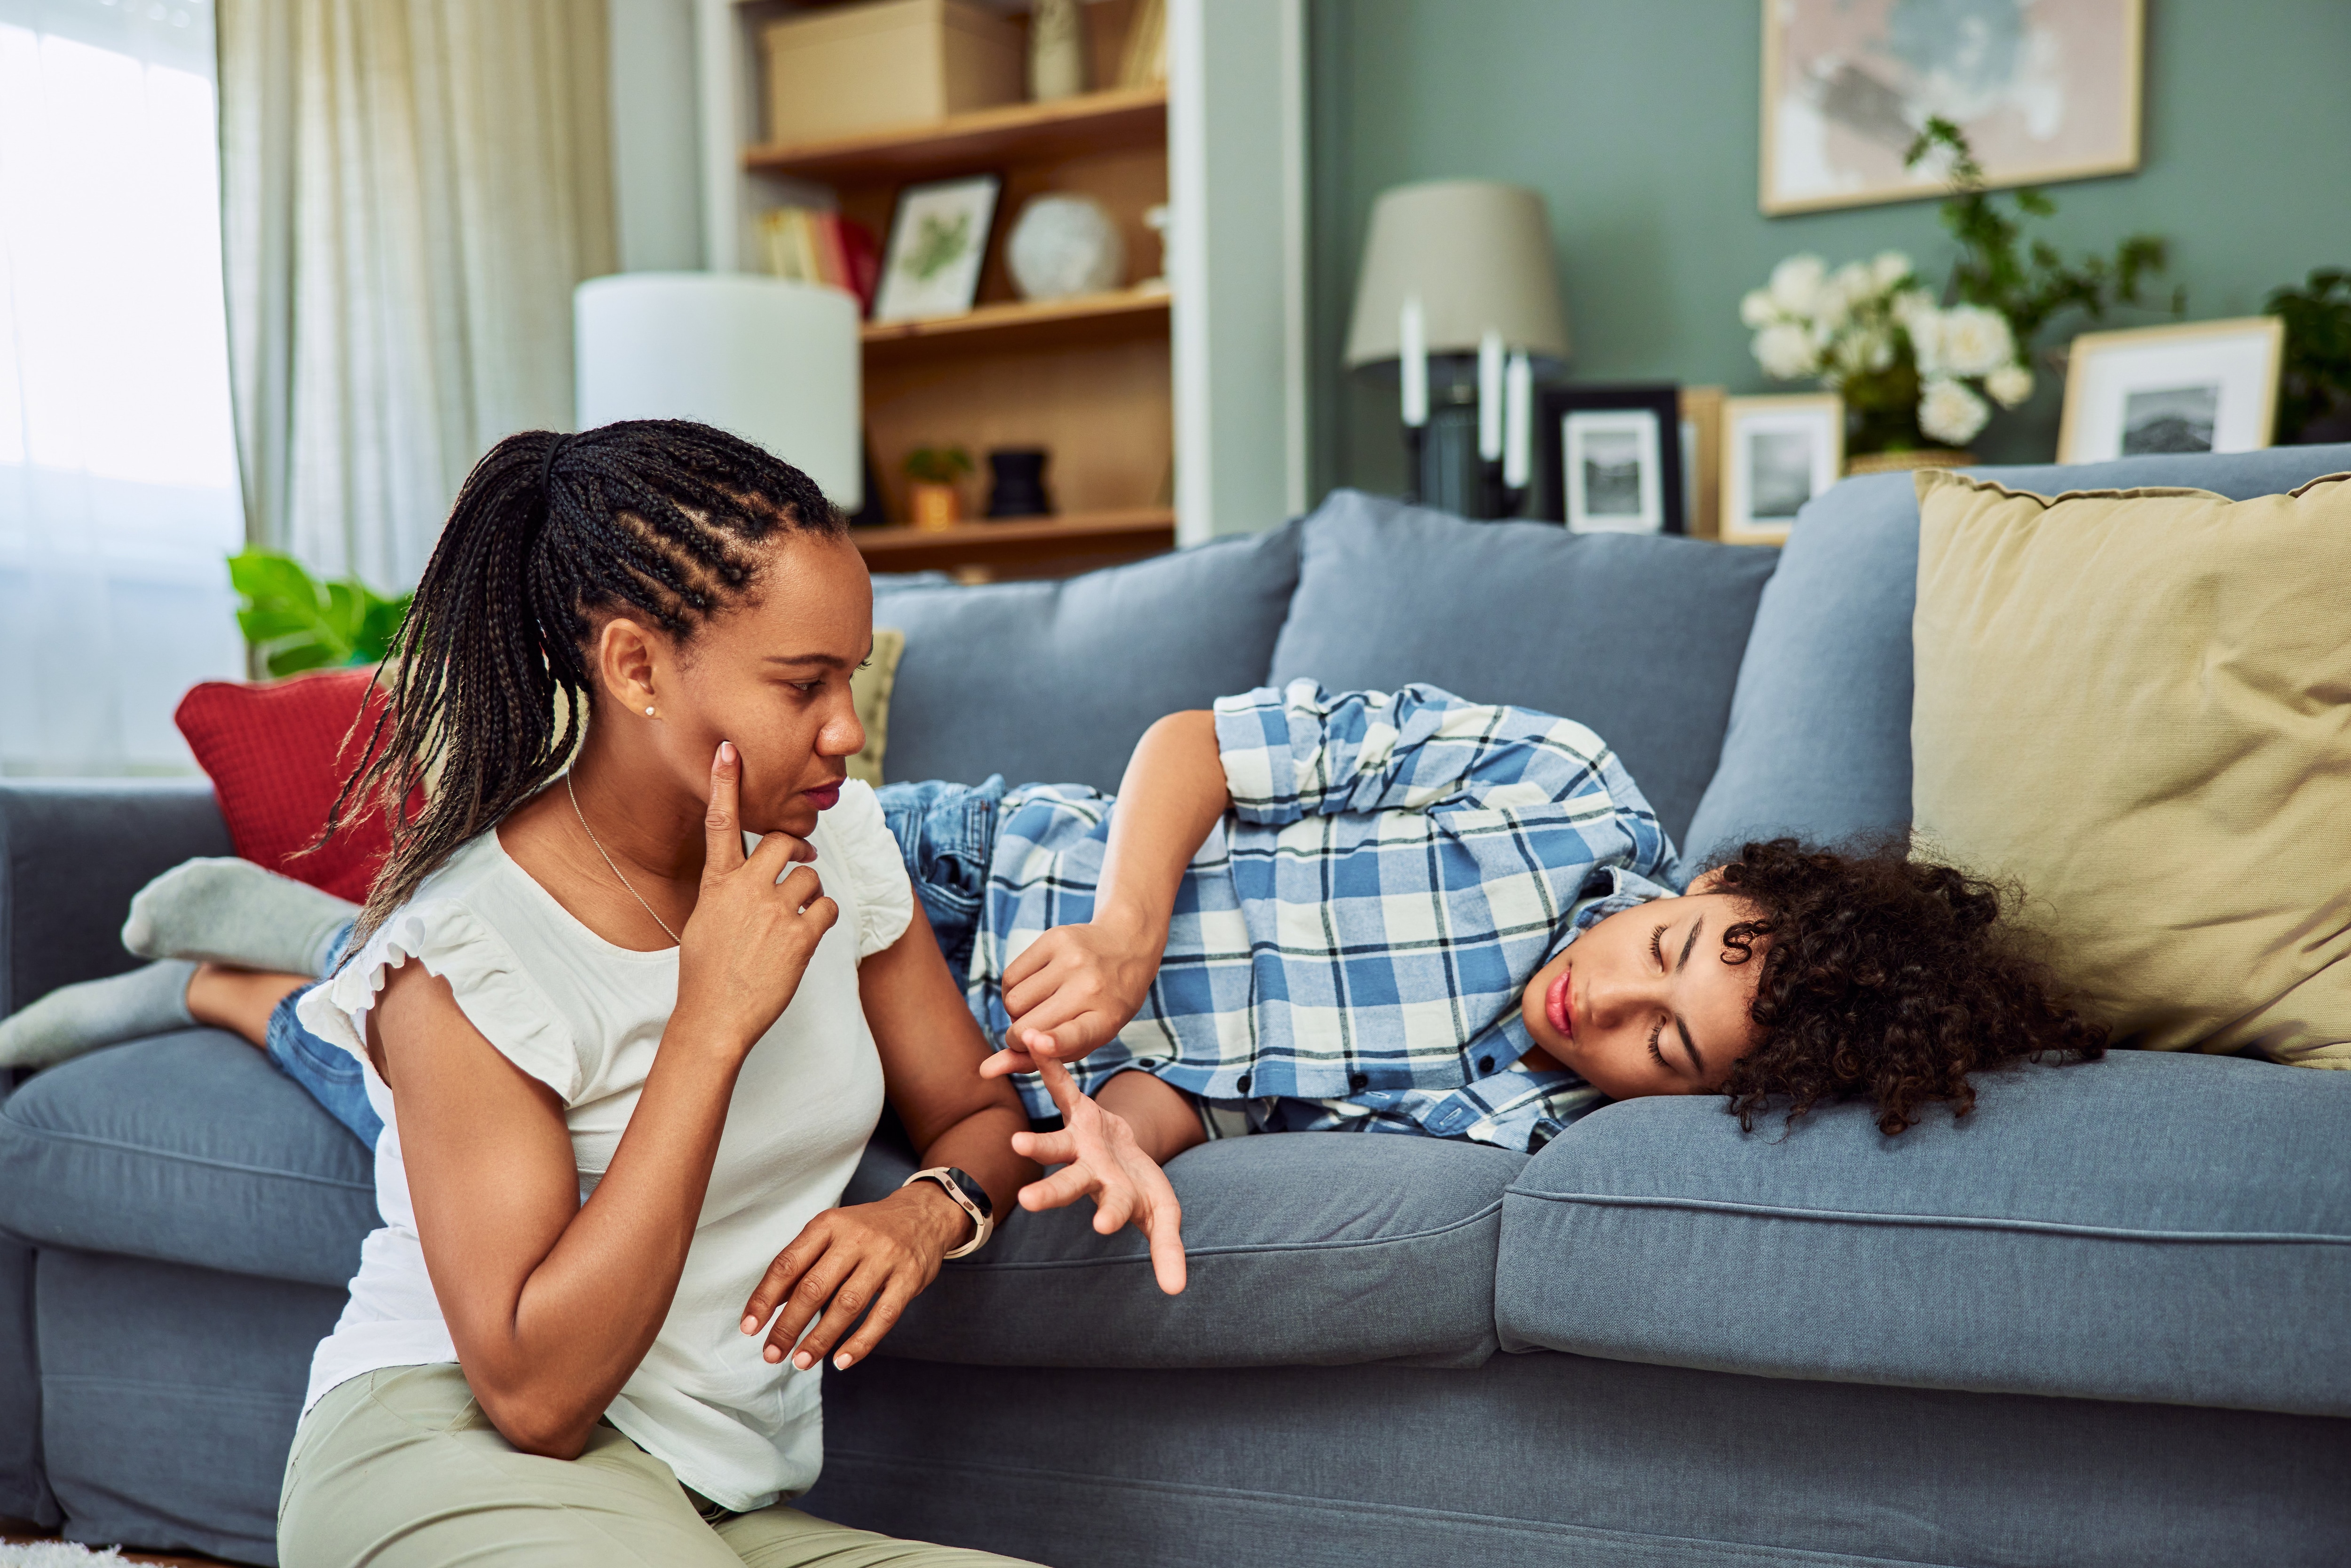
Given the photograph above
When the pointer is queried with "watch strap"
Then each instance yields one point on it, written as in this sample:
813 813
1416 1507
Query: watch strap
946 1178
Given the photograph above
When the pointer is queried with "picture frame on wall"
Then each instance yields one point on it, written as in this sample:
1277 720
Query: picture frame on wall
2044 92
1778 453
2206 386
1612 458
1702 433
938 243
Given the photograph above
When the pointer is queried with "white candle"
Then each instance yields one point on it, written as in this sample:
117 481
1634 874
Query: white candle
1519 401
1489 395
1412 354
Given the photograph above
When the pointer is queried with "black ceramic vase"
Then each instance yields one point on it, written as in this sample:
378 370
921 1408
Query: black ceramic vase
1019 490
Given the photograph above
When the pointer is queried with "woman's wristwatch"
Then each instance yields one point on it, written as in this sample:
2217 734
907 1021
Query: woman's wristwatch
969 1196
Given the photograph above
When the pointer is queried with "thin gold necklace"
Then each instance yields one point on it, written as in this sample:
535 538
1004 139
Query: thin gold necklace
608 861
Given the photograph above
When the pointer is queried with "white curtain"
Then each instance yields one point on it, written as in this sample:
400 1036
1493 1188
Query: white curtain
118 476
411 188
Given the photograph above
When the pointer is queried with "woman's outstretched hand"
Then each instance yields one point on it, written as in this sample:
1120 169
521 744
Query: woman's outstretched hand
751 936
1072 990
1099 1157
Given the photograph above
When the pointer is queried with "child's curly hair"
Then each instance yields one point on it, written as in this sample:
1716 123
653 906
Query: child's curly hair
1883 976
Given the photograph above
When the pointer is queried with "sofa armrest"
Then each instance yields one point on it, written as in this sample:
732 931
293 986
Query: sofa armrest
72 853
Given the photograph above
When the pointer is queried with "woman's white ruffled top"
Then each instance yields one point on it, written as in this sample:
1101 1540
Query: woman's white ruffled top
584 1016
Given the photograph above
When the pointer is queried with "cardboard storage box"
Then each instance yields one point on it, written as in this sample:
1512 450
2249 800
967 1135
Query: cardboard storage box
895 62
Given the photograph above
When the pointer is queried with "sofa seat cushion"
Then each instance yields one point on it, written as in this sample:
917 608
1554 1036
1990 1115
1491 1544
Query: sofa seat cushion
187 1148
1302 1248
2147 1226
1640 638
1819 740
1053 682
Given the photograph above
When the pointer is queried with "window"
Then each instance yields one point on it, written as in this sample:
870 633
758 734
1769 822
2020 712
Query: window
119 497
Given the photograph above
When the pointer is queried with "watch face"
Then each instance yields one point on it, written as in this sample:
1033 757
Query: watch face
972 1190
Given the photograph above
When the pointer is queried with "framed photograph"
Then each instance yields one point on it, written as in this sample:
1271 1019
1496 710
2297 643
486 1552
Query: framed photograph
2044 91
2209 386
1701 433
1612 458
938 238
1778 453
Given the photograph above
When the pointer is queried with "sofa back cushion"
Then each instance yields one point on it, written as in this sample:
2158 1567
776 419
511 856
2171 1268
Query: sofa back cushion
2136 704
1055 682
1819 740
1639 637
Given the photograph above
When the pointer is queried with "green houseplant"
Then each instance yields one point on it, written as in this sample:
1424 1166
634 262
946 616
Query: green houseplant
293 622
2314 384
932 473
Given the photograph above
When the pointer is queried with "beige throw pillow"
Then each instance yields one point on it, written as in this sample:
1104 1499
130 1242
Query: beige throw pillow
869 690
2137 705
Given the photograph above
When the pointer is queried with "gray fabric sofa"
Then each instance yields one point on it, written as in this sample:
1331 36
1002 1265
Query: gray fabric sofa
2098 1322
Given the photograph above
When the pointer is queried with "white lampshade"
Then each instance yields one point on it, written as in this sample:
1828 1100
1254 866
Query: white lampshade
1476 254
771 361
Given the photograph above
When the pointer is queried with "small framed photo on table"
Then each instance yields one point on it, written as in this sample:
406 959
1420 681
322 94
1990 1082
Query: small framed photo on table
1778 453
1702 462
1612 458
2208 386
938 240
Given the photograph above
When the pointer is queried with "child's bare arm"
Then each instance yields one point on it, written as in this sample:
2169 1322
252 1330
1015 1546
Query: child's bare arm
1076 985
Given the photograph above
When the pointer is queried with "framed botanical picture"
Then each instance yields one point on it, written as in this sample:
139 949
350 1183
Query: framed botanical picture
1612 458
2208 386
2044 90
938 238
1778 453
1702 433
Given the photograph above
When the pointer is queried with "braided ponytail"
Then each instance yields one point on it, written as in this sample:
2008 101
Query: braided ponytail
657 517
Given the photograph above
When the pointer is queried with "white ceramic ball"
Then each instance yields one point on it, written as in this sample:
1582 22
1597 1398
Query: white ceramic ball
1065 246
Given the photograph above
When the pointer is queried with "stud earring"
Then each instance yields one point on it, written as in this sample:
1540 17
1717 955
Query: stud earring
649 710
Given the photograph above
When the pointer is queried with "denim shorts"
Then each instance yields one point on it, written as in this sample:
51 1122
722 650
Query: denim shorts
328 1072
947 835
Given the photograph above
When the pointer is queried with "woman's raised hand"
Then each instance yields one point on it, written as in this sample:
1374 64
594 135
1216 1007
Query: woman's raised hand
751 936
1099 1157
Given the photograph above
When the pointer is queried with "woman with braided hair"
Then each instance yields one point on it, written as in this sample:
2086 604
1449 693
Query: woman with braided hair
628 1024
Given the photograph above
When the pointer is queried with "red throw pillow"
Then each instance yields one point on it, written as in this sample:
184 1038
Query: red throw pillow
278 755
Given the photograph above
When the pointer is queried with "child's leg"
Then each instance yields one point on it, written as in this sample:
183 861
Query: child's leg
76 1018
1164 1120
259 1007
946 834
331 1074
240 1001
230 911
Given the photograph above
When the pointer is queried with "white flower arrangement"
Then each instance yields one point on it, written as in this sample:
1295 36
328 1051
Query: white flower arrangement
1869 331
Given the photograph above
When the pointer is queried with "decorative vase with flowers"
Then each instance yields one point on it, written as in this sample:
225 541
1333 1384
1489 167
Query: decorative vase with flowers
1921 377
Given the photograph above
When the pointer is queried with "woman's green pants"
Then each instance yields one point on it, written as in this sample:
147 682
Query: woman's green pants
400 1468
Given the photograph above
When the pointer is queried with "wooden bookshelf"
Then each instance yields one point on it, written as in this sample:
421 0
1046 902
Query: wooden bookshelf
1089 380
1022 544
1027 324
1123 120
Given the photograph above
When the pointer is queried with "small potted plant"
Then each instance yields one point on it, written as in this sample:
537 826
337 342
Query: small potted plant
932 495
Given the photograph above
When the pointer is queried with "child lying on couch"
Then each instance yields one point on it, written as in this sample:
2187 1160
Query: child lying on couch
1374 911
1407 912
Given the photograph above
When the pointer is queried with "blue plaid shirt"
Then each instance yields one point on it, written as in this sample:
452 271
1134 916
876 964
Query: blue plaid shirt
1350 944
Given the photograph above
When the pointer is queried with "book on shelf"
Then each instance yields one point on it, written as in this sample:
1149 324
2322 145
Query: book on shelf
1144 61
816 244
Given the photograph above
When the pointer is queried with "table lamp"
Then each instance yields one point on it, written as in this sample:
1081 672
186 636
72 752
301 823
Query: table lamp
1461 270
773 361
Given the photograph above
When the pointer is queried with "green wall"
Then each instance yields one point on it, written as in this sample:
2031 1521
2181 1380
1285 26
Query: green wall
1637 122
